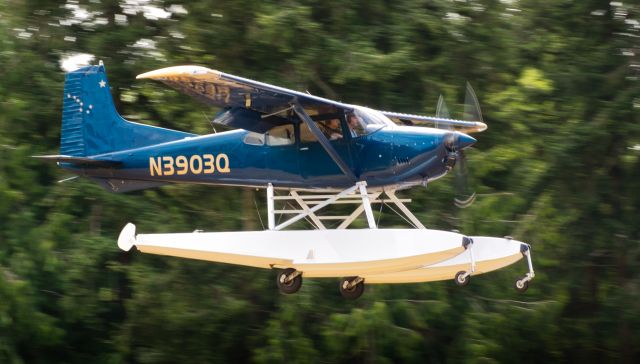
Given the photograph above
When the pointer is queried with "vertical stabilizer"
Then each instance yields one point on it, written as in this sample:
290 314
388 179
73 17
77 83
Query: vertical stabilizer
92 126
72 133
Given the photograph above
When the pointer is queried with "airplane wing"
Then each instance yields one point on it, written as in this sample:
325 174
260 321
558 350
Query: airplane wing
268 102
411 119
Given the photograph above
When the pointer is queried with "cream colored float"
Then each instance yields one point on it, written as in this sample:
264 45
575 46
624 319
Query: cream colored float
371 255
313 253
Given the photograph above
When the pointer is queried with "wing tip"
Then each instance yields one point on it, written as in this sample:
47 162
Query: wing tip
175 71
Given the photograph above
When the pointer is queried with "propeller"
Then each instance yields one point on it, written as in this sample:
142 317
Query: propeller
472 110
456 142
465 194
441 110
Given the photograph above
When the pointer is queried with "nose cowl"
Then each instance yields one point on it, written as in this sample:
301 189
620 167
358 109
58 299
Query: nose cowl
465 140
458 141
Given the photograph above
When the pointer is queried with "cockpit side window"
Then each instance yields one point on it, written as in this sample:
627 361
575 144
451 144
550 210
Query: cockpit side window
281 135
254 138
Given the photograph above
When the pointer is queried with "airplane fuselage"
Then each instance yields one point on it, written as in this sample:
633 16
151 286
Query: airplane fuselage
401 156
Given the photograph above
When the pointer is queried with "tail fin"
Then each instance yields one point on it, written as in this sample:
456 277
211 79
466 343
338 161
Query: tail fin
92 126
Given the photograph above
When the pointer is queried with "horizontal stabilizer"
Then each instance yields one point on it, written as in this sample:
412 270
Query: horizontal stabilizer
79 161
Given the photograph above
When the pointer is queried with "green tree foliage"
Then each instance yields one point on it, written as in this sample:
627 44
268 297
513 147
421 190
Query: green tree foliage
559 168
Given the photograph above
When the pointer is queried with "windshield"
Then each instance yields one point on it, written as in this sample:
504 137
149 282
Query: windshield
365 121
370 116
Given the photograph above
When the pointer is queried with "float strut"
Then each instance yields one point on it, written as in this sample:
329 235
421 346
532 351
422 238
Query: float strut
270 207
367 204
523 283
472 259
529 276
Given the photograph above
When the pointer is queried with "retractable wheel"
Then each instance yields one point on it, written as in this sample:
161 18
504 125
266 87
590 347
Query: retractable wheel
462 278
521 285
349 290
289 281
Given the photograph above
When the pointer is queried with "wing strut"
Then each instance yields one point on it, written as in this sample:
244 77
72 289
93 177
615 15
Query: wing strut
299 110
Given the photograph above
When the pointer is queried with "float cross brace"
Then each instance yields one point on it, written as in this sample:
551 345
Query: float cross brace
310 203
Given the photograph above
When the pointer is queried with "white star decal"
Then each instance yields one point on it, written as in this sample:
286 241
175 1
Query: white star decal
102 83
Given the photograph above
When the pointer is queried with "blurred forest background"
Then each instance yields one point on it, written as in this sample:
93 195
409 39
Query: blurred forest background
558 167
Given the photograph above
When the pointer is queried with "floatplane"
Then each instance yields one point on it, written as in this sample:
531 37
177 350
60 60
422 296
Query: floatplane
308 153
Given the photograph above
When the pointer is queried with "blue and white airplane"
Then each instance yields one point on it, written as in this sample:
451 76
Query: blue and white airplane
287 141
284 137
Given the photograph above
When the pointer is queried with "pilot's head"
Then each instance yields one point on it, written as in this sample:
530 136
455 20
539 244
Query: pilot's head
353 120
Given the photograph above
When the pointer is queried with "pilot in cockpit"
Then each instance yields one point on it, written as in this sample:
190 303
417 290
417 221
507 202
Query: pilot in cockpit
333 127
355 125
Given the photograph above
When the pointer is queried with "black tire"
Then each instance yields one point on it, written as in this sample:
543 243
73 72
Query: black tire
290 287
521 285
351 293
460 281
